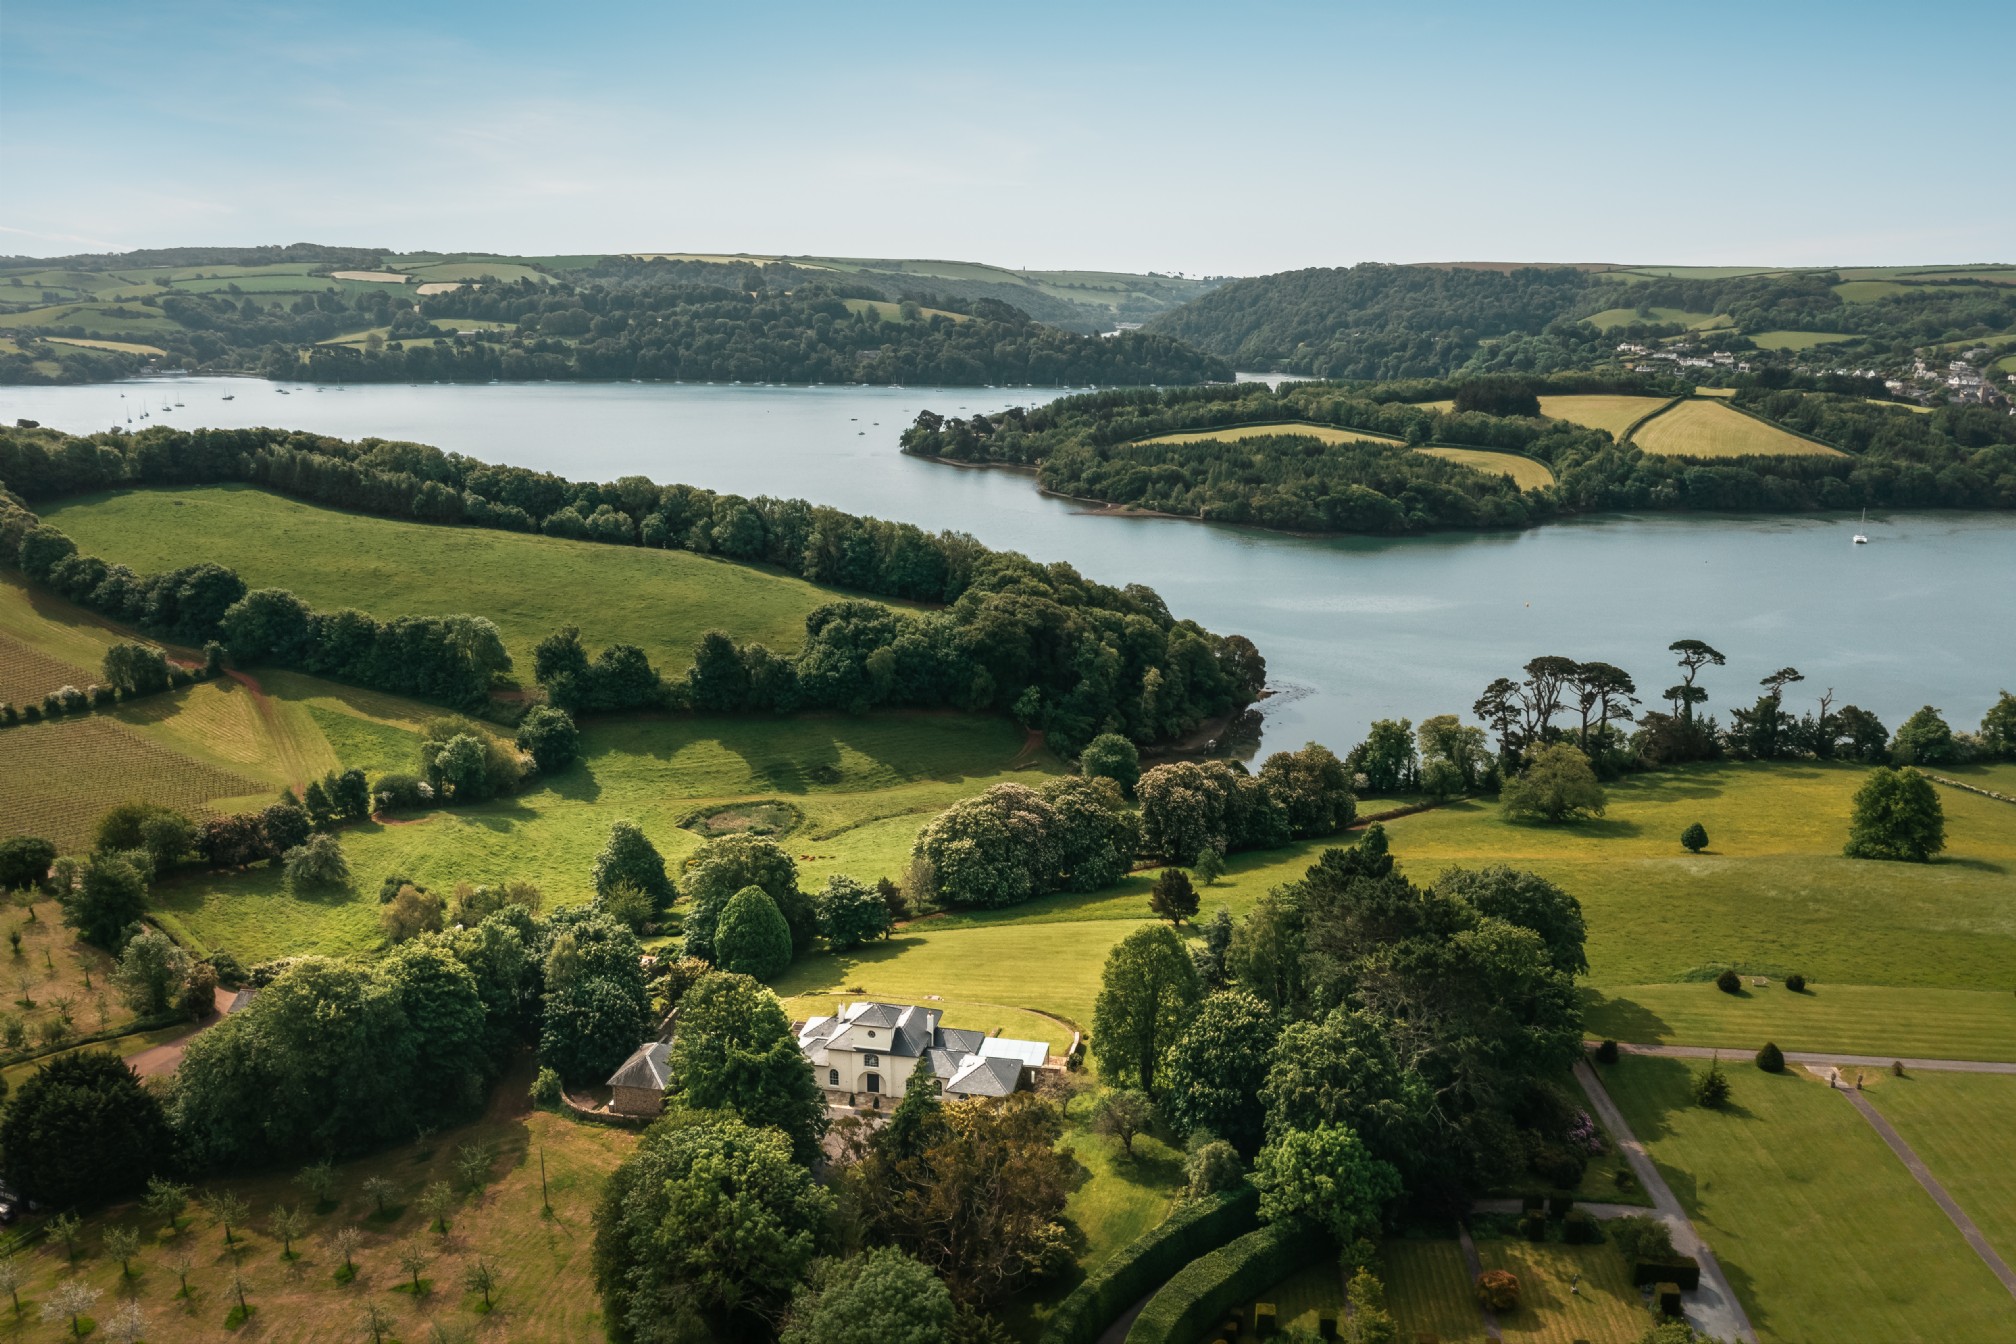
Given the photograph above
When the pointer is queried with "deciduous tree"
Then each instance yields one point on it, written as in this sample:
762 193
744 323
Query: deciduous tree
1147 993
1897 815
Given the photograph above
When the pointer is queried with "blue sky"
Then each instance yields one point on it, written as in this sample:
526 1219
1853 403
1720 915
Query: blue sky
1207 139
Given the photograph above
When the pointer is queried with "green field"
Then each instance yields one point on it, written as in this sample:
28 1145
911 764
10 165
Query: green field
864 785
1611 318
1797 340
1822 1232
1883 1020
1527 472
1964 1128
1868 291
1301 428
1614 413
1697 428
531 586
547 1290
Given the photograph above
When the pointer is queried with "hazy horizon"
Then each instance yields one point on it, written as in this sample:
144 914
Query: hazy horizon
1125 137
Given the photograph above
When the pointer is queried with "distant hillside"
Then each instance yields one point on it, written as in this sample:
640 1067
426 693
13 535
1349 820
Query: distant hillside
1075 300
355 314
1383 321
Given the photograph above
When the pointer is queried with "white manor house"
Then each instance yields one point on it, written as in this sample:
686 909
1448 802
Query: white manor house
867 1051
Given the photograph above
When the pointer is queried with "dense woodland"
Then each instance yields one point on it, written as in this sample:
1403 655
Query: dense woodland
624 319
1378 321
1089 446
1063 654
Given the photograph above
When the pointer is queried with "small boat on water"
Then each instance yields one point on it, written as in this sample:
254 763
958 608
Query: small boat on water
1860 539
229 398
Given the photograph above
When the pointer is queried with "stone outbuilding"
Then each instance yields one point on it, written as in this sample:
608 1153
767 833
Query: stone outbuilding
638 1087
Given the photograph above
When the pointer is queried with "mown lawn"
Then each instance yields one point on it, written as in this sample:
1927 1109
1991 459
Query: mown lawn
1822 1232
547 1288
1964 1127
1428 1290
531 586
1839 1019
1567 1293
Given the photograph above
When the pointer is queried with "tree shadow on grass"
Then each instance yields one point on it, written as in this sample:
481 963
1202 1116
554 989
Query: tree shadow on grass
811 975
1621 1019
1598 828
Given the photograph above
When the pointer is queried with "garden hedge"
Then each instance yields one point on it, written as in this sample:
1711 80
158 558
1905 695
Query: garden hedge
1153 1258
1684 1270
1209 1286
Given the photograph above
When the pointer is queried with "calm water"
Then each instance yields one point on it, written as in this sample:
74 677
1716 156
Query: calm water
1354 629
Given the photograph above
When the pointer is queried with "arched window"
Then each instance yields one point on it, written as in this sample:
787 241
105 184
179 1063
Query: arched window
870 1061
833 1077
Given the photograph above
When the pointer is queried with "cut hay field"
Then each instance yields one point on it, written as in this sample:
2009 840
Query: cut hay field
124 347
1599 411
1822 1232
1302 428
1697 428
1797 340
1527 472
864 787
531 586
1964 1128
61 777
547 1287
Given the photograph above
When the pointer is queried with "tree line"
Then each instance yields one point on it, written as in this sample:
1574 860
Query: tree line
1061 653
783 327
1092 446
1378 321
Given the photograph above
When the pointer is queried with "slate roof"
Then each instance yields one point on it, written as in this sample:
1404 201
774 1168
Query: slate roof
966 1062
649 1067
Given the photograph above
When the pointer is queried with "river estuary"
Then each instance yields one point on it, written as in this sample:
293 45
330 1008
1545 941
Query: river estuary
1354 629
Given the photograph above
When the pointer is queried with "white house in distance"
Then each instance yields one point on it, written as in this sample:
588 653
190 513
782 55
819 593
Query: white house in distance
867 1051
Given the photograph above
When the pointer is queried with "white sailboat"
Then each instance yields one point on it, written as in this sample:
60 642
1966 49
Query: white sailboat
1860 539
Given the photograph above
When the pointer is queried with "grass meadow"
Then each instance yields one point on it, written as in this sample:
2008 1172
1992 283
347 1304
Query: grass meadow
531 586
1797 340
864 786
1822 1232
1697 428
547 1284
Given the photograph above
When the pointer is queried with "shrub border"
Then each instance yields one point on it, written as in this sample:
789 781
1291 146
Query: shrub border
1213 1284
1133 1271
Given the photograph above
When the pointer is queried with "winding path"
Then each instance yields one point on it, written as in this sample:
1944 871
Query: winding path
1916 1166
1714 1306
